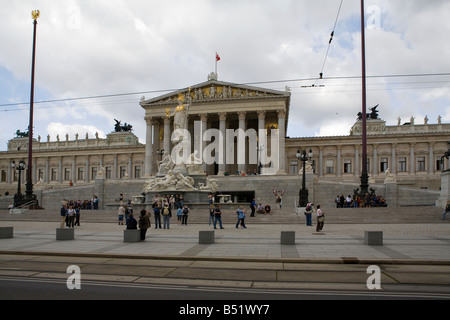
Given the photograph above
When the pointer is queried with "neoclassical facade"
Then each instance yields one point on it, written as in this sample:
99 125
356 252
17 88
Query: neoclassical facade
217 113
220 107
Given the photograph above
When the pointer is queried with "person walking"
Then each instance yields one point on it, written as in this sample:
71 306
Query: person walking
144 223
71 216
166 215
121 214
241 217
320 219
211 214
184 217
308 213
157 215
447 209
63 213
179 214
253 207
218 216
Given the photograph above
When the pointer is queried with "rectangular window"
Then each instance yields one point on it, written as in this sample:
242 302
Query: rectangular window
294 167
93 173
137 172
54 174
329 166
123 172
3 177
41 174
80 175
67 176
439 165
347 166
383 164
421 164
108 172
402 164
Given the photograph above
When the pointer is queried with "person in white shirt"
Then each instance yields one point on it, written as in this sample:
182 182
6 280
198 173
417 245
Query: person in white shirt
320 219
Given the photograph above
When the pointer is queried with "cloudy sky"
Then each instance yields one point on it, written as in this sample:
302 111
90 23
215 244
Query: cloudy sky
119 51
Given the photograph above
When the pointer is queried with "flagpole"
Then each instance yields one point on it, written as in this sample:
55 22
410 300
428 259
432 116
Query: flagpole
215 58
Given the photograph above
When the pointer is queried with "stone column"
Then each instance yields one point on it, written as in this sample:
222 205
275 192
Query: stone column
241 148
356 171
60 168
86 177
282 138
338 161
375 160
393 165
412 164
148 147
262 138
204 119
130 167
74 168
167 135
221 157
431 158
320 161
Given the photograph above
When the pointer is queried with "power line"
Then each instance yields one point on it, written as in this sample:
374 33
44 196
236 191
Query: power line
246 83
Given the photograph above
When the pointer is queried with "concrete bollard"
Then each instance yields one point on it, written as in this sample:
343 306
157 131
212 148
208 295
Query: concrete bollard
287 237
65 233
206 237
373 238
6 232
131 235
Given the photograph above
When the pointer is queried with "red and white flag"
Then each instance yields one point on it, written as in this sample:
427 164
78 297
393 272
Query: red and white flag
217 57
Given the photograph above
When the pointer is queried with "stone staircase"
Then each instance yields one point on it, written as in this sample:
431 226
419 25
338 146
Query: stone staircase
280 216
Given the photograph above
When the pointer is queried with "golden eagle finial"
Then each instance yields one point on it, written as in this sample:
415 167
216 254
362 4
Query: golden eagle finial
35 14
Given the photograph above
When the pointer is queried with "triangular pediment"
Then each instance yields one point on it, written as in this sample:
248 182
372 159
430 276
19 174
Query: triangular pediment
215 90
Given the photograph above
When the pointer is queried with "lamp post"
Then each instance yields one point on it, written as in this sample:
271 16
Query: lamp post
18 197
303 194
29 184
364 175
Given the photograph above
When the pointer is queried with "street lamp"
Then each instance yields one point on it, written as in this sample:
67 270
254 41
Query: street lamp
303 157
18 196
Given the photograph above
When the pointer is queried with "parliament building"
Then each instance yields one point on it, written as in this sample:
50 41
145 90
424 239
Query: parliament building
243 130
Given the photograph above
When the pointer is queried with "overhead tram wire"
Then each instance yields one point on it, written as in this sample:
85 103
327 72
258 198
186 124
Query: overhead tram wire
328 49
246 83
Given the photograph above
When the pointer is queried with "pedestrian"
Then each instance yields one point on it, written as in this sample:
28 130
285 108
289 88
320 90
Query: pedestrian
253 207
241 217
308 213
63 213
70 216
211 214
320 219
144 223
157 215
447 209
131 222
179 214
121 214
185 215
166 215
77 216
218 216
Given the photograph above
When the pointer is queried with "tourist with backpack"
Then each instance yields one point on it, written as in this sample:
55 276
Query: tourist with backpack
185 215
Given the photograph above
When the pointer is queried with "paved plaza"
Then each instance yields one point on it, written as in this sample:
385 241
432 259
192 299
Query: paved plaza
412 242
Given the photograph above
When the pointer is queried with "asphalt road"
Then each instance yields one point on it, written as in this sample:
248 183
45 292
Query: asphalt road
47 277
19 288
